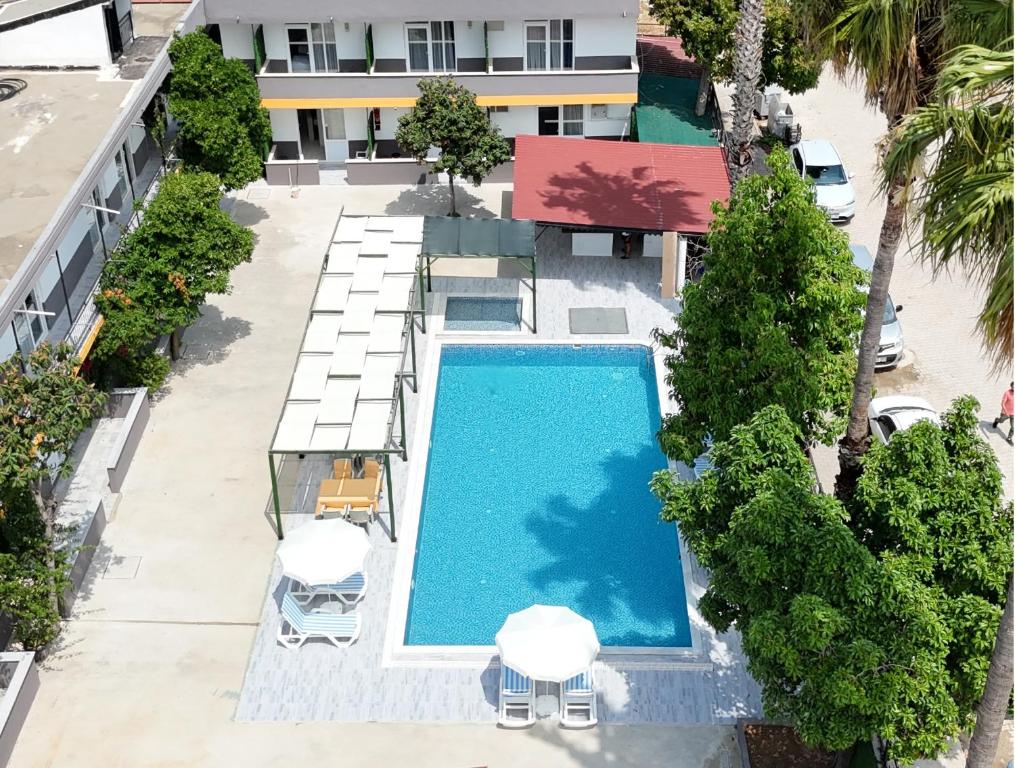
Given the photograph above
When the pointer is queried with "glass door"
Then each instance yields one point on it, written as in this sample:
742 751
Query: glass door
299 48
417 37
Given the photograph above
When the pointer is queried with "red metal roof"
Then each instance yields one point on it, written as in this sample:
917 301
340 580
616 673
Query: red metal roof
617 184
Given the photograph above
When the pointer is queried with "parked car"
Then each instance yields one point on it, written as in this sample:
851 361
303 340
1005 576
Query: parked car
817 159
891 344
893 413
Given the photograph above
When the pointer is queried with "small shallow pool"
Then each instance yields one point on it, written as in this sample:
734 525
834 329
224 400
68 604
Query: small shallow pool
482 313
537 492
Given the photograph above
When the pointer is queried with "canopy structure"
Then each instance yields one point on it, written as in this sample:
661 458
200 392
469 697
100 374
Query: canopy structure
618 185
346 391
447 236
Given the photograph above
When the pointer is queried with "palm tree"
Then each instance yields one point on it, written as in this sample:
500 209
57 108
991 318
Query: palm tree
892 47
965 202
992 708
748 39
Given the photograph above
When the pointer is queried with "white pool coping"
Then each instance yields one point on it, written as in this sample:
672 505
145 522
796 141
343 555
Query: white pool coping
396 652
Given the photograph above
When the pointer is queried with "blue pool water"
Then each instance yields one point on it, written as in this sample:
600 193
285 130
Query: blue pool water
537 492
485 313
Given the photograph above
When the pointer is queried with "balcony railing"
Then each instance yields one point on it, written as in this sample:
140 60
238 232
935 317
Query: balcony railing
277 82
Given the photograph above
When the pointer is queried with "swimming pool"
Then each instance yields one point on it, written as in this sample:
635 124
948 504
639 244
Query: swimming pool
536 491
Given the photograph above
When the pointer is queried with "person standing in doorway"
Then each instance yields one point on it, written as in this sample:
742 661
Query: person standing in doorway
1008 411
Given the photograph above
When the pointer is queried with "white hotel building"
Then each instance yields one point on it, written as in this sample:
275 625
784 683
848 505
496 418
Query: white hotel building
335 77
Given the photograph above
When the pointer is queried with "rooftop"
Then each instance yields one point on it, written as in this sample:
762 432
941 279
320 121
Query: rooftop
618 184
52 126
48 131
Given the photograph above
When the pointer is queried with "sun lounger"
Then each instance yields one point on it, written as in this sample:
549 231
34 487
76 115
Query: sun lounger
299 625
578 701
517 699
349 591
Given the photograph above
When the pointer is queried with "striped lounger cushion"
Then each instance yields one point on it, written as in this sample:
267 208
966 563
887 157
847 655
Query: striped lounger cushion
514 682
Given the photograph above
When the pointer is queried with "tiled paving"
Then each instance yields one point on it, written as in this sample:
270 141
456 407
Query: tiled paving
321 682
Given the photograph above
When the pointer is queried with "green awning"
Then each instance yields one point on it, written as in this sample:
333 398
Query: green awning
478 238
665 112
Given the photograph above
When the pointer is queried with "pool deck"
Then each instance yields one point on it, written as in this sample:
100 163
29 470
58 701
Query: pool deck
319 682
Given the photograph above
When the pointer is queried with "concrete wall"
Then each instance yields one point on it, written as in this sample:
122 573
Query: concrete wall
399 10
508 43
135 409
81 558
276 44
237 40
609 36
75 39
282 173
405 171
16 702
284 125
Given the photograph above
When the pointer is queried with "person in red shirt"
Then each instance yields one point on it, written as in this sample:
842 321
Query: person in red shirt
1008 411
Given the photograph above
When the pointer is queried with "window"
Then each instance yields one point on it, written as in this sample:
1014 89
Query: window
334 124
299 49
30 323
549 44
325 50
571 120
561 121
500 108
431 46
597 112
312 48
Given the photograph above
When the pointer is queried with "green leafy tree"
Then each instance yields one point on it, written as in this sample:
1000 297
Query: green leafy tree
844 641
41 415
933 501
26 577
446 116
706 31
773 320
161 273
223 127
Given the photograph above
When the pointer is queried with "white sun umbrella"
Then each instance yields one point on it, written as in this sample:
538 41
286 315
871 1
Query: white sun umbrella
323 552
547 642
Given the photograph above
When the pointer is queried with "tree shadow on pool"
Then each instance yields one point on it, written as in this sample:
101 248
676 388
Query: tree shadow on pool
611 556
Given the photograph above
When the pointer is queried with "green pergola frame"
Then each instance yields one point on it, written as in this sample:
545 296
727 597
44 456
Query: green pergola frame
453 237
397 405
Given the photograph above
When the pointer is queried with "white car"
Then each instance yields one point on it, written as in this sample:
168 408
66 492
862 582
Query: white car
817 160
893 413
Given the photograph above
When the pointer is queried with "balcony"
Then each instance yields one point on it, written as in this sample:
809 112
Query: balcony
398 89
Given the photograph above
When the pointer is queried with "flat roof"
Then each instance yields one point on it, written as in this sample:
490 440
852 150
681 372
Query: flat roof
48 131
618 184
18 13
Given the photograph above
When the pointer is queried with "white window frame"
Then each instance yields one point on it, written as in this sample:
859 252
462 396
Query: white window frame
288 47
326 27
561 122
431 44
549 42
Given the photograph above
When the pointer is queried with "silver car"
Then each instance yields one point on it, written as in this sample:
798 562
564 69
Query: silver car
891 345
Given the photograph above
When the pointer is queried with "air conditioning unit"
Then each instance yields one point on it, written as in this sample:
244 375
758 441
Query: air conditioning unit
763 100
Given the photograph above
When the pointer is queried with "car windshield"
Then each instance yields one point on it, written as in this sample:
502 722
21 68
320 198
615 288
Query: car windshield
889 312
826 174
